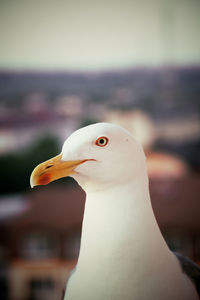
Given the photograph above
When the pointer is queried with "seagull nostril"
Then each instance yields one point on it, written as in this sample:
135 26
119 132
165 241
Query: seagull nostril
49 166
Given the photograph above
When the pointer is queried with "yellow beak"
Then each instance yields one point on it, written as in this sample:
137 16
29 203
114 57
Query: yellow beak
53 169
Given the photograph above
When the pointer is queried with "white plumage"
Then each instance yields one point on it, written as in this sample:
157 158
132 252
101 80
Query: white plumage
123 255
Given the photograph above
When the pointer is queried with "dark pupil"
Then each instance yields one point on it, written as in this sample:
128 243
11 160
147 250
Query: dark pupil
101 141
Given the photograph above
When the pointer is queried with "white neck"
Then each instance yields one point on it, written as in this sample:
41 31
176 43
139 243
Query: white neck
122 249
123 254
119 222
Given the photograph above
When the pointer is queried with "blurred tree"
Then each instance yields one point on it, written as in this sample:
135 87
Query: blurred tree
16 167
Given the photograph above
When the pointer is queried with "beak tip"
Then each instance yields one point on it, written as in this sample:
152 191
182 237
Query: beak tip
32 184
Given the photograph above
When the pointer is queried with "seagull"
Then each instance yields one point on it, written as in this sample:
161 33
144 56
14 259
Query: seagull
123 255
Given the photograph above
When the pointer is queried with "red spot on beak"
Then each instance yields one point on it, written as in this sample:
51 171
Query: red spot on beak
44 179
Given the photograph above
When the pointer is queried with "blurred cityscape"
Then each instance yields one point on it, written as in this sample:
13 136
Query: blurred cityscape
40 229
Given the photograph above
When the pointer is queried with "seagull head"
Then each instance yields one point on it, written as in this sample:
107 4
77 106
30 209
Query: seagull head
97 155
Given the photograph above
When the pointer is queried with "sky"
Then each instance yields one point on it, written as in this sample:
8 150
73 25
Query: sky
96 35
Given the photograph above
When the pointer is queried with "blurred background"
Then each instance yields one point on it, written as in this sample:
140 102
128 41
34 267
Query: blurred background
66 64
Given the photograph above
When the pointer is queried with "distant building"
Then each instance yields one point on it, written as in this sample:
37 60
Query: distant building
162 165
138 123
69 105
179 129
17 131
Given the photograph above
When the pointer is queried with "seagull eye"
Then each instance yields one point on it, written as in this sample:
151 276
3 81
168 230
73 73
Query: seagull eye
102 141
